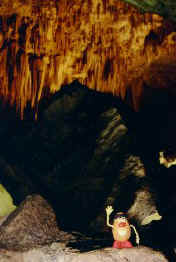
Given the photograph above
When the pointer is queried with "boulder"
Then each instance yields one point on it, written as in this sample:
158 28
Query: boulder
33 223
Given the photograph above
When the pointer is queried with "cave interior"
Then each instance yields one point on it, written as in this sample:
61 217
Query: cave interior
87 103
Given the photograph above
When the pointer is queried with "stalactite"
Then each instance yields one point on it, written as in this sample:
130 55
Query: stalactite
105 44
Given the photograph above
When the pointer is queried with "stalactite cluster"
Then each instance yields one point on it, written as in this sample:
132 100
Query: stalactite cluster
105 44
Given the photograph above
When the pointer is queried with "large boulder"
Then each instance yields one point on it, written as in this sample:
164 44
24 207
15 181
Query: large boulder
32 223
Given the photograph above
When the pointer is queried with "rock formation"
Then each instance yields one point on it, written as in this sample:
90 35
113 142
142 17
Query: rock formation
70 154
106 45
30 225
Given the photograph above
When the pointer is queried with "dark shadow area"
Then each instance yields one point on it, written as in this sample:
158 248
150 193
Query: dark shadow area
157 118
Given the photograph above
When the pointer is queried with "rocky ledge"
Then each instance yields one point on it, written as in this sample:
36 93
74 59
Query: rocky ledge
58 253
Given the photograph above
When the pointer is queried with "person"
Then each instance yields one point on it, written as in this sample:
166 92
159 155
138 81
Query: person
121 229
167 157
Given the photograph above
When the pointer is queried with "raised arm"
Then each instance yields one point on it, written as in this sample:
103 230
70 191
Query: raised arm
136 233
109 210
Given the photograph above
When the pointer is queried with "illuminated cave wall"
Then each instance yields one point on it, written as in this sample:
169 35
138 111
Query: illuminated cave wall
105 44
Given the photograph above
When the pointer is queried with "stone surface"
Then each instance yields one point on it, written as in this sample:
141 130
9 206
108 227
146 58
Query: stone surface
58 253
32 223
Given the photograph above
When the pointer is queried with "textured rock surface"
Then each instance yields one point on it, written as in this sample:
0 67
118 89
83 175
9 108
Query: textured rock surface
32 224
56 252
107 45
132 190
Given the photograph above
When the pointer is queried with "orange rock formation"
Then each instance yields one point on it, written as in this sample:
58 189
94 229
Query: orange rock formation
105 44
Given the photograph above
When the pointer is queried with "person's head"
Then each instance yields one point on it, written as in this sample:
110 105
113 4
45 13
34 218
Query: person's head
167 157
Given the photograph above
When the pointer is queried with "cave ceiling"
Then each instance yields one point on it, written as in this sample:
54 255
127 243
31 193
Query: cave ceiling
107 45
